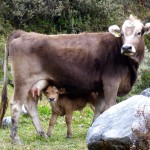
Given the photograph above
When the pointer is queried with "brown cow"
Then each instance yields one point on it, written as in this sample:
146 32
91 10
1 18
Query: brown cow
85 62
65 104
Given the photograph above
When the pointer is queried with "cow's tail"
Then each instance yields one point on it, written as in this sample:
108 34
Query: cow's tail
4 98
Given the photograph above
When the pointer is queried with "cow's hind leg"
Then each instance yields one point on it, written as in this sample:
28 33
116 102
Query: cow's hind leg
15 111
16 105
31 107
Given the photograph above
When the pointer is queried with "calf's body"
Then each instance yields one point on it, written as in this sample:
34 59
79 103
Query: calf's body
66 104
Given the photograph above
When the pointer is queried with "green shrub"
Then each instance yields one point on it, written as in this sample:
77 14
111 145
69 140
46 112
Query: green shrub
147 41
145 79
5 28
2 47
65 16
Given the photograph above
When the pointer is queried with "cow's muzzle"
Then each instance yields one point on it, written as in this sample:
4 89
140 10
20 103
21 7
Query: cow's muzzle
51 99
128 50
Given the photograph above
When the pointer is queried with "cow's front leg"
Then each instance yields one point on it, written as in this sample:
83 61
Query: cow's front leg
31 107
68 119
110 88
52 122
99 106
107 100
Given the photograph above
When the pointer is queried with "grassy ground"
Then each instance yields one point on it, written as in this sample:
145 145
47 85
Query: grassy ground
31 141
81 122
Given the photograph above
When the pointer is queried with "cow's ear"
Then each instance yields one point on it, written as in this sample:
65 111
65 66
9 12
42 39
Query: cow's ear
115 30
146 28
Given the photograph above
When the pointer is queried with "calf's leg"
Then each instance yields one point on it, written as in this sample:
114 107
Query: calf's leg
52 122
68 118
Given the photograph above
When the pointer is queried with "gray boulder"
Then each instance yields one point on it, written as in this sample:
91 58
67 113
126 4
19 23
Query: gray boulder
112 129
146 92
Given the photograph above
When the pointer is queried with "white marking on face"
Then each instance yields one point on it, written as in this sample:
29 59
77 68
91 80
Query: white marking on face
131 30
136 24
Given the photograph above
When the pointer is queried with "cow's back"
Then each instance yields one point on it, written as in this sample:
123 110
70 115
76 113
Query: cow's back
75 62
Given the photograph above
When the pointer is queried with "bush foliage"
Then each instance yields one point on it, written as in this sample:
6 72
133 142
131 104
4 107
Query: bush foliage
65 16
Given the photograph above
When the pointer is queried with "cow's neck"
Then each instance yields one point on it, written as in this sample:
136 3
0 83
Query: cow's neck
133 66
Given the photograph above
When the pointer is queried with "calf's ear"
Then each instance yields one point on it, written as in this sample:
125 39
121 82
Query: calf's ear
146 28
114 30
62 91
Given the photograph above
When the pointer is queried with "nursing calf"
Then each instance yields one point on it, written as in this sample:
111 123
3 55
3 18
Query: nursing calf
62 103
65 104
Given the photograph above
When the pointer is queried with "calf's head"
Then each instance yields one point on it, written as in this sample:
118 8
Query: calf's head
52 93
132 35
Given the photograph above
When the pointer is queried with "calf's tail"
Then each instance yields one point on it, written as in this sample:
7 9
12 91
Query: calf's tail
4 98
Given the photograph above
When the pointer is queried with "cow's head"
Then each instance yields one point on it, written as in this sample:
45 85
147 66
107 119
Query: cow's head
52 93
132 35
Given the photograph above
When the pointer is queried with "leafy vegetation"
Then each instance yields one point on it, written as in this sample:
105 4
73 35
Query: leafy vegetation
65 16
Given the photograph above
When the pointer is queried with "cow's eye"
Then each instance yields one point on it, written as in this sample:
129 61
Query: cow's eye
139 33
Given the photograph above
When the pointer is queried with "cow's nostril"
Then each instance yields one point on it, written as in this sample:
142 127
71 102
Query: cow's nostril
51 99
130 48
127 48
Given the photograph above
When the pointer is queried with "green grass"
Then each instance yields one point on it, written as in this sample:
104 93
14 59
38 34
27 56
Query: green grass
81 122
30 139
58 141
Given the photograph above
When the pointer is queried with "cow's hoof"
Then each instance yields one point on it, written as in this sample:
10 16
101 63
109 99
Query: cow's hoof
43 134
16 141
48 134
69 136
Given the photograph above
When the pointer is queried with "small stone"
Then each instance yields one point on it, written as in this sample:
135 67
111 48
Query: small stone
6 121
